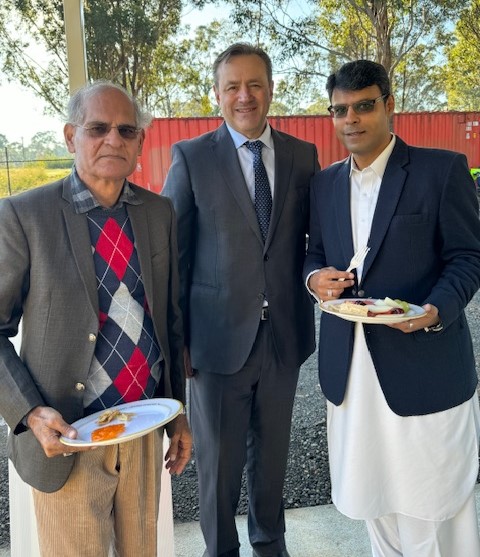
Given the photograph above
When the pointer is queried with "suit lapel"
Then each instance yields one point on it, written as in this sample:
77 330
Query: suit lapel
139 220
390 191
283 170
79 237
342 209
227 162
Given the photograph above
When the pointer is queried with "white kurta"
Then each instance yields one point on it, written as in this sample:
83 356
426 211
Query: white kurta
381 463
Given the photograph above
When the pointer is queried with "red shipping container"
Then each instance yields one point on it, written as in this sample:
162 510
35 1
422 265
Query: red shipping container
457 131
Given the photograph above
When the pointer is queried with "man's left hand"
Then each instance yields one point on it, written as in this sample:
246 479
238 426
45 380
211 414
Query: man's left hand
180 450
430 318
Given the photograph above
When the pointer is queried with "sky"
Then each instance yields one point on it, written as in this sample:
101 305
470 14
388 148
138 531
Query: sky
22 113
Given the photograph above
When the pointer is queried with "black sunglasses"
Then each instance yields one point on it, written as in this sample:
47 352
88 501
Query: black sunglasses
101 129
360 107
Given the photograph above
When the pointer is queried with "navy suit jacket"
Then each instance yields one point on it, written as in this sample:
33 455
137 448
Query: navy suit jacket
226 270
425 248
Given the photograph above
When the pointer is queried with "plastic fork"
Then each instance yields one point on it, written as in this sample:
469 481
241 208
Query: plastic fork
357 259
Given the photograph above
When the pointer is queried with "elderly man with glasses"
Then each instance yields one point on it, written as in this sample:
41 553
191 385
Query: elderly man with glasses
402 404
90 265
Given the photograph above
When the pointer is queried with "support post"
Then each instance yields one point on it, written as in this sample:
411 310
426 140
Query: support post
76 51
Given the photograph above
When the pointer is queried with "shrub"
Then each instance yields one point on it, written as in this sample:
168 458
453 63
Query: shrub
22 179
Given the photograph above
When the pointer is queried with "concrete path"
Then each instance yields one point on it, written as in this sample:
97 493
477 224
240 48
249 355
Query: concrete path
311 532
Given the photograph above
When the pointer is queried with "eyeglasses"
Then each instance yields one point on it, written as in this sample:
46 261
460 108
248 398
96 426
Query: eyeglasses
360 107
101 129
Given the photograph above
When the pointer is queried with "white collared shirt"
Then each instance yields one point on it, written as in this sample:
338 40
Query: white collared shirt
364 189
245 157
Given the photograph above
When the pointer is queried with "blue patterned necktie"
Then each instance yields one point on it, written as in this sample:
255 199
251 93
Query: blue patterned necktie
263 195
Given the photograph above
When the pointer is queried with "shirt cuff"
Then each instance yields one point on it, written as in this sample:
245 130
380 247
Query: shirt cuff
312 293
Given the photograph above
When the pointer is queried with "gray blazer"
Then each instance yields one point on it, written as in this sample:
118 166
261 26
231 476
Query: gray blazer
226 271
48 278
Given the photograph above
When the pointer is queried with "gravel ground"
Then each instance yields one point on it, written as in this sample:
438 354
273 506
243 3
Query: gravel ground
307 482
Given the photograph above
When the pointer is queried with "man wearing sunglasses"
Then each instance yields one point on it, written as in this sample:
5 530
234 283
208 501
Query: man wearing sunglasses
402 402
90 265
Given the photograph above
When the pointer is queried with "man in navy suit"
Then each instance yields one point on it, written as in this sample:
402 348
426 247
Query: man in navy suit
402 402
248 317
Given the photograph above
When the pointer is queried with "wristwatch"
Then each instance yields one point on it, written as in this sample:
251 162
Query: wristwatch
434 328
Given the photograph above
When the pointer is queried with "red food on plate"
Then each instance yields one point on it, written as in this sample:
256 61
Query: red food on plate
108 432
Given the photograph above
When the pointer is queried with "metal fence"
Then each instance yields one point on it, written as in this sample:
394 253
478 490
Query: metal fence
41 171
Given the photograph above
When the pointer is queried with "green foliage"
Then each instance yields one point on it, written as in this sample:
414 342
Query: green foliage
461 73
121 39
310 38
22 179
181 85
24 25
139 43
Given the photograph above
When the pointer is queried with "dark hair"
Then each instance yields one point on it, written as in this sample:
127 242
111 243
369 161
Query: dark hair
242 49
78 101
357 75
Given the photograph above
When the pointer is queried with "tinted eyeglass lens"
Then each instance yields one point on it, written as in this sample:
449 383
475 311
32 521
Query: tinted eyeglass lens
101 130
361 107
128 132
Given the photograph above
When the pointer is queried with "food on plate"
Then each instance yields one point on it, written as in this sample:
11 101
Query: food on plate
353 307
107 432
372 308
114 414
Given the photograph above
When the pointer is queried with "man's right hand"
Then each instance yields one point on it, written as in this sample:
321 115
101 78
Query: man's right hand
48 425
325 284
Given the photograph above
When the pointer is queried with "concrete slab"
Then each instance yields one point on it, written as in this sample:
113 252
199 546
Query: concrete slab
311 532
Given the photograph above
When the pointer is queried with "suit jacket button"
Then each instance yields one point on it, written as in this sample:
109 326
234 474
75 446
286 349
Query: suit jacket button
265 257
92 337
354 292
79 386
361 293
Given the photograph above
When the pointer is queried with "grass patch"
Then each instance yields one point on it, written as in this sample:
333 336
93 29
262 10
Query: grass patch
32 176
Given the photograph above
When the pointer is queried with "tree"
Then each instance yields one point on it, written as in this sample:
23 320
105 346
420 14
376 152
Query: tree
181 84
415 90
320 35
461 72
45 145
121 38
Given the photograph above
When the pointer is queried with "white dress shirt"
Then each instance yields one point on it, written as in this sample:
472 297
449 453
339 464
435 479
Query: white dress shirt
245 158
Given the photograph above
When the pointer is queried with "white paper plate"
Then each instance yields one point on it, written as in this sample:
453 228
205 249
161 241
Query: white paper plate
381 319
148 415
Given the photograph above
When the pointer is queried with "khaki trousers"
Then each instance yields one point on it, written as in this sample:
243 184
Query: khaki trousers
110 501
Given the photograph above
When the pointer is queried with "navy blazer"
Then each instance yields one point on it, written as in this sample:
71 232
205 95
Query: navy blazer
425 248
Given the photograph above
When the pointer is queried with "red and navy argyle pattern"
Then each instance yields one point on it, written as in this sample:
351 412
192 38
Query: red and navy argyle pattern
125 366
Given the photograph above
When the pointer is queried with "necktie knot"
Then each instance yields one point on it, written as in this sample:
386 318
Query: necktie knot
255 147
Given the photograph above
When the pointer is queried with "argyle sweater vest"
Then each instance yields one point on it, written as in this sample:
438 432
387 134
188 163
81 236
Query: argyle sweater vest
126 364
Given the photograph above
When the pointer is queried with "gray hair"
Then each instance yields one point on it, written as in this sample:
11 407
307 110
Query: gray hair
76 105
